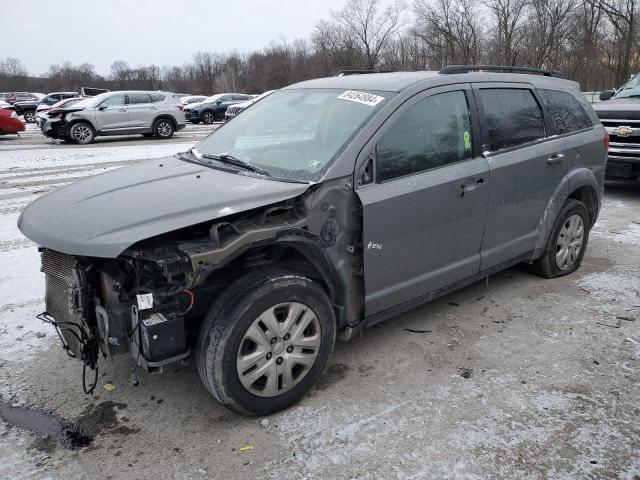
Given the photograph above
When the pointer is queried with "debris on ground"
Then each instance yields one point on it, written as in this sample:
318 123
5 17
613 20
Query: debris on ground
618 324
109 387
412 330
41 335
246 448
627 319
630 340
264 423
466 372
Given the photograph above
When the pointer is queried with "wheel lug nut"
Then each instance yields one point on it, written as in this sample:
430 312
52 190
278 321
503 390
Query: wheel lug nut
287 336
279 360
269 355
289 349
273 340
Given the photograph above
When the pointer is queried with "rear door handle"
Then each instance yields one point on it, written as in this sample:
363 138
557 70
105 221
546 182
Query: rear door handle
122 110
153 108
464 188
557 158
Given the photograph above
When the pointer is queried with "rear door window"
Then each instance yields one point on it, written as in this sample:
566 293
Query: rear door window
566 112
431 133
138 98
512 117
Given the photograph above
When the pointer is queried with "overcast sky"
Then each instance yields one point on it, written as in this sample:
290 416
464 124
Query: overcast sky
45 32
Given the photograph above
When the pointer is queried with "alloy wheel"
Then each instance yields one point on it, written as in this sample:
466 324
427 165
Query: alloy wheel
82 133
569 242
163 129
278 349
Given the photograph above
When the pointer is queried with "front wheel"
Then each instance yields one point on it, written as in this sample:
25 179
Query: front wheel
567 242
30 116
81 133
265 342
208 118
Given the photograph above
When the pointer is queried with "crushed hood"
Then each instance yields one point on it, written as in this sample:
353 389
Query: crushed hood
105 214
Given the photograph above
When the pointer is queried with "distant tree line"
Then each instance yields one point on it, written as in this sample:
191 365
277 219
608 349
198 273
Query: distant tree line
595 42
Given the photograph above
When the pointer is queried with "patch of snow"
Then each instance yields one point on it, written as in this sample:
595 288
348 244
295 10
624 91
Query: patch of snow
625 284
57 155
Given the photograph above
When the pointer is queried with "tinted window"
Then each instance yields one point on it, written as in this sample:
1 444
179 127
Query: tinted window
137 98
432 132
225 98
565 110
157 97
115 101
512 117
240 97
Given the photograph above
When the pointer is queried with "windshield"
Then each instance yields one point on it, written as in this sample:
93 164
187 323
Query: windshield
295 134
92 101
630 89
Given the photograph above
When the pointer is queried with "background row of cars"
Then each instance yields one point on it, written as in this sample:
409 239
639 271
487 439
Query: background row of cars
80 117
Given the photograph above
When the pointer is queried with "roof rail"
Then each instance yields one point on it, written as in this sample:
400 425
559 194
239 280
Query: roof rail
343 73
452 69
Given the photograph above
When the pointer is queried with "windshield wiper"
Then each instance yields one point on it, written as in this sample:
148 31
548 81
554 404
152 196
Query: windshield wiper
231 160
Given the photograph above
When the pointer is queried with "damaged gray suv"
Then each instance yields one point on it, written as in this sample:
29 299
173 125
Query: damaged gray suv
330 205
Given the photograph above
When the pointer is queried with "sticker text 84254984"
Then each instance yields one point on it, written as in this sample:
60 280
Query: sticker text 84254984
361 97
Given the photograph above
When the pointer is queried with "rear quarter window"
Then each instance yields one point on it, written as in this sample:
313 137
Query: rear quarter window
157 97
565 111
512 116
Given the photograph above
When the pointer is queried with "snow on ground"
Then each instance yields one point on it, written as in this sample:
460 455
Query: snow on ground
24 175
61 156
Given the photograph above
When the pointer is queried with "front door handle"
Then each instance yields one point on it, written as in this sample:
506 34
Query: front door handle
557 158
464 188
153 108
122 110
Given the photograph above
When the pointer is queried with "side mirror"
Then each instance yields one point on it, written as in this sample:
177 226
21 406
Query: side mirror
606 94
219 102
102 107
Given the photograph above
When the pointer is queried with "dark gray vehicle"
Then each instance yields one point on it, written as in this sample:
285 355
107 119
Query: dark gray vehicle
330 205
619 112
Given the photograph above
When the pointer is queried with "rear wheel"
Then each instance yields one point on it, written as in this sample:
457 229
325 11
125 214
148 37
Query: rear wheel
567 242
81 133
30 116
265 342
163 128
208 118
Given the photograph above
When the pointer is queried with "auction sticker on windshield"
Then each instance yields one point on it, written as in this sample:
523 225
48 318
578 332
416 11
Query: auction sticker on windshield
361 97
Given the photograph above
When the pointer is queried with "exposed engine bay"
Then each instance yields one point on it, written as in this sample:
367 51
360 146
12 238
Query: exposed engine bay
151 299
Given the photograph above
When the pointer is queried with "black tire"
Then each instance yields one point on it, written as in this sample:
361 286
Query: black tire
226 323
82 133
29 116
208 118
163 128
546 266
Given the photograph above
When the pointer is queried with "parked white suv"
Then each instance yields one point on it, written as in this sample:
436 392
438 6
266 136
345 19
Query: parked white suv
157 114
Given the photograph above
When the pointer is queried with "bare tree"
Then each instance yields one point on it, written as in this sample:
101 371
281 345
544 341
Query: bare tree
621 50
451 29
508 17
371 26
546 30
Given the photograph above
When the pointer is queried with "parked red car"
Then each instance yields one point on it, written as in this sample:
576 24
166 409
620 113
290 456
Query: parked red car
9 122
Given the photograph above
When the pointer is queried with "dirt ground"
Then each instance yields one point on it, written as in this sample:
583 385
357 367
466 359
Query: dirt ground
517 377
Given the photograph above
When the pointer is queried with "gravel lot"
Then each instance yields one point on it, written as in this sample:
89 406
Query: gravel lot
517 377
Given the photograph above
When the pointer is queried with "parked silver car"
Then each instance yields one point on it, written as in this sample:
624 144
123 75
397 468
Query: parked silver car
157 114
